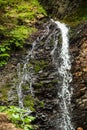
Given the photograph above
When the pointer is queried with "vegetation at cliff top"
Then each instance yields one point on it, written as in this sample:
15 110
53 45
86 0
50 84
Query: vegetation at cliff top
17 23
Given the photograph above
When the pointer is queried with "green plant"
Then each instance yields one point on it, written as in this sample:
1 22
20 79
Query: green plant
18 116
4 55
17 23
18 36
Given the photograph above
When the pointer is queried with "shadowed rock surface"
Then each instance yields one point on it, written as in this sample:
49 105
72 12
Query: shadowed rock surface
60 8
78 50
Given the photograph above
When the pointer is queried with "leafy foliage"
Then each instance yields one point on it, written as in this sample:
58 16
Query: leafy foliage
19 117
17 23
4 55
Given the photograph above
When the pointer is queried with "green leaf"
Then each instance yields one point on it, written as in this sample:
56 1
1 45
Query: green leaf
29 127
16 116
31 118
2 108
3 49
2 63
27 120
4 55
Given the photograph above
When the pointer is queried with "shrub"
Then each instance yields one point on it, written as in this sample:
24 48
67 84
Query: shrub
19 116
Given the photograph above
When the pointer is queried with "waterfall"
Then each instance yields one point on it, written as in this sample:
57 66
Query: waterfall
61 62
24 71
65 90
25 76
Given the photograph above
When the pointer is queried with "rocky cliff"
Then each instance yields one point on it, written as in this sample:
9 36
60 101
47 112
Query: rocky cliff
60 8
44 103
45 85
79 70
70 12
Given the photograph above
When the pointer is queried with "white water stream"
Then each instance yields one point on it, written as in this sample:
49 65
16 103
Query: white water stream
65 90
25 76
65 93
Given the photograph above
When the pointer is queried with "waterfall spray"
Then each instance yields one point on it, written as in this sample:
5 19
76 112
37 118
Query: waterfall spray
61 60
64 122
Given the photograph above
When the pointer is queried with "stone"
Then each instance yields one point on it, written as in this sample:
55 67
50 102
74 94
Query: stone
78 49
79 128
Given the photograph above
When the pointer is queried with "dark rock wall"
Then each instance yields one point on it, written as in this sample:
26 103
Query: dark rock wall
60 8
79 71
46 84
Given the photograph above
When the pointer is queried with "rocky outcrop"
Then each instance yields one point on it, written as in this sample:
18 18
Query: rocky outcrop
8 80
45 85
60 8
79 70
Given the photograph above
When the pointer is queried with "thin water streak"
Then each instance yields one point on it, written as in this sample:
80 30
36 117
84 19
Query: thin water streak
25 76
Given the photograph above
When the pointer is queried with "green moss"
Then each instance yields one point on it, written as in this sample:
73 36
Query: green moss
39 85
55 81
39 65
4 93
42 84
8 92
39 103
26 10
19 34
25 87
29 102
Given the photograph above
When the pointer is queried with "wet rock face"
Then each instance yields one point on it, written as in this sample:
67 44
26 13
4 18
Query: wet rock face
46 81
79 70
46 84
8 80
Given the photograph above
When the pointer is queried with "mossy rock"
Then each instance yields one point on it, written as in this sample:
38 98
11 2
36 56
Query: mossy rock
39 65
38 85
29 102
5 93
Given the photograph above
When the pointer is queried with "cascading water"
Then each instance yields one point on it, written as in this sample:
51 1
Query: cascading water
25 76
61 60
65 91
